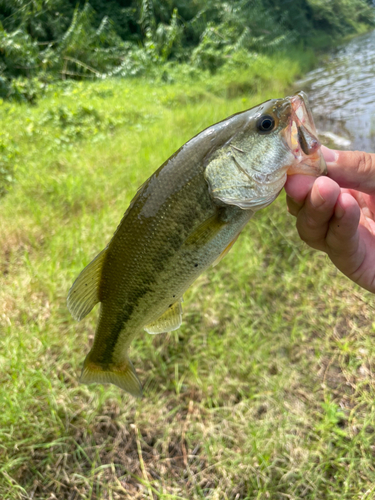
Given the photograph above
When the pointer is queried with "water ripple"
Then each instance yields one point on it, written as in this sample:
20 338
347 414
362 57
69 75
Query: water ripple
342 93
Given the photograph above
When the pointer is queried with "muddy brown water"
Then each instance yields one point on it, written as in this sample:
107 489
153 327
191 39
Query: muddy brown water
341 93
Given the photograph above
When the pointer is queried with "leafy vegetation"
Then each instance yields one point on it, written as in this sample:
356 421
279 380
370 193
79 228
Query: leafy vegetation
267 389
80 40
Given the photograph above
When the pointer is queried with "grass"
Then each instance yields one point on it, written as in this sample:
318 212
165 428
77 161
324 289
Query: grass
267 389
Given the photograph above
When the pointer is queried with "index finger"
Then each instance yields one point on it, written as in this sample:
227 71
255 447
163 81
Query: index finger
351 169
298 187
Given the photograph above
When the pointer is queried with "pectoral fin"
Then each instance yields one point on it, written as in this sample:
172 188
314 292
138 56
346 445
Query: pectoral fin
169 321
84 293
205 231
123 376
225 251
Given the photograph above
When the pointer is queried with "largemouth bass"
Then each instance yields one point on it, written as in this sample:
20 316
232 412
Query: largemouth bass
183 219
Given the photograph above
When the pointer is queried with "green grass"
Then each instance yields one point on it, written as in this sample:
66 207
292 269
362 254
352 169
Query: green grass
267 389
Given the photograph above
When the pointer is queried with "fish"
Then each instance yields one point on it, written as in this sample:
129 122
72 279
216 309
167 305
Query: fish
183 219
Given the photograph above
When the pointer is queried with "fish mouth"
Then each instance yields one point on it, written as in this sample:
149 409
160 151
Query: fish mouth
301 138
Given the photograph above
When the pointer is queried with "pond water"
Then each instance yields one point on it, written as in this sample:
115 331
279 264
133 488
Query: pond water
342 95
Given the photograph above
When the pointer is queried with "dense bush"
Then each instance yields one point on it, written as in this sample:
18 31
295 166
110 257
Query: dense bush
70 39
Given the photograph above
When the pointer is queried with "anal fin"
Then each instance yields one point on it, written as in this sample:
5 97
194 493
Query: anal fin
123 376
169 321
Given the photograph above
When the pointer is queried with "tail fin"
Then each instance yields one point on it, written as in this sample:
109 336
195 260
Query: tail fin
123 376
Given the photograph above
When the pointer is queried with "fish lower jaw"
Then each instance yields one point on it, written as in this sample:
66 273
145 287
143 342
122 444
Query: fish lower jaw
314 165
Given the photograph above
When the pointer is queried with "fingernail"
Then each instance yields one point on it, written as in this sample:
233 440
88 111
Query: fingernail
330 155
317 199
339 211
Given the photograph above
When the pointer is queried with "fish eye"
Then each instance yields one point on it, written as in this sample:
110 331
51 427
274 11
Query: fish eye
265 124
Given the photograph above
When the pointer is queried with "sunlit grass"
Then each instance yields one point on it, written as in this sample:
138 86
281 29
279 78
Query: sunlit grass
267 389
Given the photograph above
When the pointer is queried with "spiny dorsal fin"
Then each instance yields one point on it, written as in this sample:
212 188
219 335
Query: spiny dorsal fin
169 321
84 293
123 376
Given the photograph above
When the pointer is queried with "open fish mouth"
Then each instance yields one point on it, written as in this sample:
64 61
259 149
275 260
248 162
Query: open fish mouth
301 137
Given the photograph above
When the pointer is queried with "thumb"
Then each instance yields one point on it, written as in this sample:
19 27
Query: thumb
351 169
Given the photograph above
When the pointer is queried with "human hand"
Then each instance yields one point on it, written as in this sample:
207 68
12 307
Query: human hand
335 214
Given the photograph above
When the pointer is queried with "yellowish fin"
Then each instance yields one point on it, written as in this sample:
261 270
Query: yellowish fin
225 251
169 321
84 294
123 376
206 231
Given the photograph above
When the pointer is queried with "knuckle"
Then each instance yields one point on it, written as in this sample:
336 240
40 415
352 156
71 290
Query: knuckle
342 245
292 211
366 163
311 231
292 207
303 237
339 252
317 243
310 222
303 231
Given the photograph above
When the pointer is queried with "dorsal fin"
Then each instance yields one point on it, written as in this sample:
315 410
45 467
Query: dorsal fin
84 293
169 321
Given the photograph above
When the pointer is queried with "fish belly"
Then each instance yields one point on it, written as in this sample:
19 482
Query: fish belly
118 325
